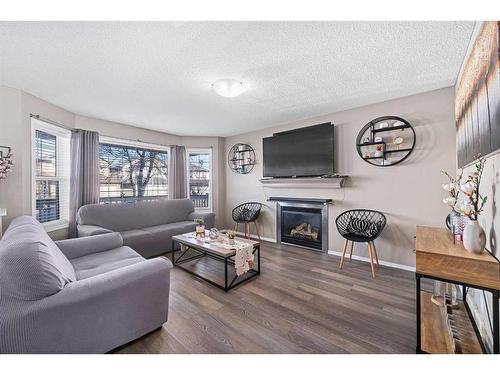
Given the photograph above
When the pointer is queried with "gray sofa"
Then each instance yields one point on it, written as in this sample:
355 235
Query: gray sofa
147 227
83 295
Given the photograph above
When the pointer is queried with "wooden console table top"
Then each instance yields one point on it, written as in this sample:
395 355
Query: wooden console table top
438 256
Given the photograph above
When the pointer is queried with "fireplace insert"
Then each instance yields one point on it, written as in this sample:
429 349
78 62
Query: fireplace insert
303 223
301 226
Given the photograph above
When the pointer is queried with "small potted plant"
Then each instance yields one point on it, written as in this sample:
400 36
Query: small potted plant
472 206
200 227
231 234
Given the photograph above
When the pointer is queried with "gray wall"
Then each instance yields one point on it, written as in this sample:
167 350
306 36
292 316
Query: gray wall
15 131
409 194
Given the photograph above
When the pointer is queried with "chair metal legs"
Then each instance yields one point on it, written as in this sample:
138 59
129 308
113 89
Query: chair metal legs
257 229
372 262
248 228
372 252
375 252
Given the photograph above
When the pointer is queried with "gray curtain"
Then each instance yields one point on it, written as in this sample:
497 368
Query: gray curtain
84 180
177 173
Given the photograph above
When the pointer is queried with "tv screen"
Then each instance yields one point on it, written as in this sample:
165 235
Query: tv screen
301 152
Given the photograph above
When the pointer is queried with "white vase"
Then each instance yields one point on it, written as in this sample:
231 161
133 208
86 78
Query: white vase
474 237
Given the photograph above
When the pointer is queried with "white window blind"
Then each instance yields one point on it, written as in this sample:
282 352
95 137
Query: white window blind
199 164
50 174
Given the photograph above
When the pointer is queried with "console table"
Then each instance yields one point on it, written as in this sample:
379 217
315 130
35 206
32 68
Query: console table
439 258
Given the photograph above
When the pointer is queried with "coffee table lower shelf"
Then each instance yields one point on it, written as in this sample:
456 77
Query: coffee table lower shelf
226 260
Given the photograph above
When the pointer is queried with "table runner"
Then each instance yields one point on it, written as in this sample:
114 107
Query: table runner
243 259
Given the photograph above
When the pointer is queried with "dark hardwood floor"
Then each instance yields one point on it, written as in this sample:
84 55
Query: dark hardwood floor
301 303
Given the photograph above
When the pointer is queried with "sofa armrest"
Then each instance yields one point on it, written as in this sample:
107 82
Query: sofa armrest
208 218
99 313
78 247
91 230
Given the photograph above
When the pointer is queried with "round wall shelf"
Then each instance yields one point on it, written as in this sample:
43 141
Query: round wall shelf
241 158
386 141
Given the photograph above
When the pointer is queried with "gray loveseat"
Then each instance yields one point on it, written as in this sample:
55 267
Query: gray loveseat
147 227
83 295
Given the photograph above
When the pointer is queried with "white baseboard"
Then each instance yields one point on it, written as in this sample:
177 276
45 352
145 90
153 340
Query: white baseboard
338 253
254 237
382 262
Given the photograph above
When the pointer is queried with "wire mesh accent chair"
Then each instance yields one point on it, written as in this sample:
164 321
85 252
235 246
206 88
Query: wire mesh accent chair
247 213
361 225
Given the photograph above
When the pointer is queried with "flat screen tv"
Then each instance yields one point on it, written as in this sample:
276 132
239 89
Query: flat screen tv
304 152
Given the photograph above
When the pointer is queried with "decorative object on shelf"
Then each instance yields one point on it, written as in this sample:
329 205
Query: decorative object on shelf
444 293
241 158
398 140
453 221
378 150
474 237
231 234
459 223
200 228
213 234
6 161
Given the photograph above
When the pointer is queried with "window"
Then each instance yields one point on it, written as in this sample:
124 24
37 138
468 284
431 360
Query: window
132 171
199 162
50 160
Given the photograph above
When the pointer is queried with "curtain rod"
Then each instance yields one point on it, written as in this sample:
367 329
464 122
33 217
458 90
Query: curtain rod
49 121
44 119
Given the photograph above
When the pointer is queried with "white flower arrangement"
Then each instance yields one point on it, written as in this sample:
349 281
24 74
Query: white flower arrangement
453 189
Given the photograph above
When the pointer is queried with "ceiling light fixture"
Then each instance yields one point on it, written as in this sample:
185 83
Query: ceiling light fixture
228 87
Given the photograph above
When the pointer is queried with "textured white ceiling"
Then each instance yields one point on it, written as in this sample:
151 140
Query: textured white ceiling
157 75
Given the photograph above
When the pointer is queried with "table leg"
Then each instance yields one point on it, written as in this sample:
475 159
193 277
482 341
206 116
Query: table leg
258 259
225 275
496 333
419 345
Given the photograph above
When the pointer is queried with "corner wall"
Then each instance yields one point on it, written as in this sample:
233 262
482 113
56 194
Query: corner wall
409 193
15 131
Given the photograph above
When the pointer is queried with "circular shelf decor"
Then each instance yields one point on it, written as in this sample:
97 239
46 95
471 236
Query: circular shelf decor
386 141
241 158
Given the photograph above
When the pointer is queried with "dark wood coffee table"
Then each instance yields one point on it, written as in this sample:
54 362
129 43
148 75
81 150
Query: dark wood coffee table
213 251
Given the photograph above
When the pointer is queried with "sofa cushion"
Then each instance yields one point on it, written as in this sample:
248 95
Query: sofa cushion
121 217
135 238
31 265
105 261
166 231
157 239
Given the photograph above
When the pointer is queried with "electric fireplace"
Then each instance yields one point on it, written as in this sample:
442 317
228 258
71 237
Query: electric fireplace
302 222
